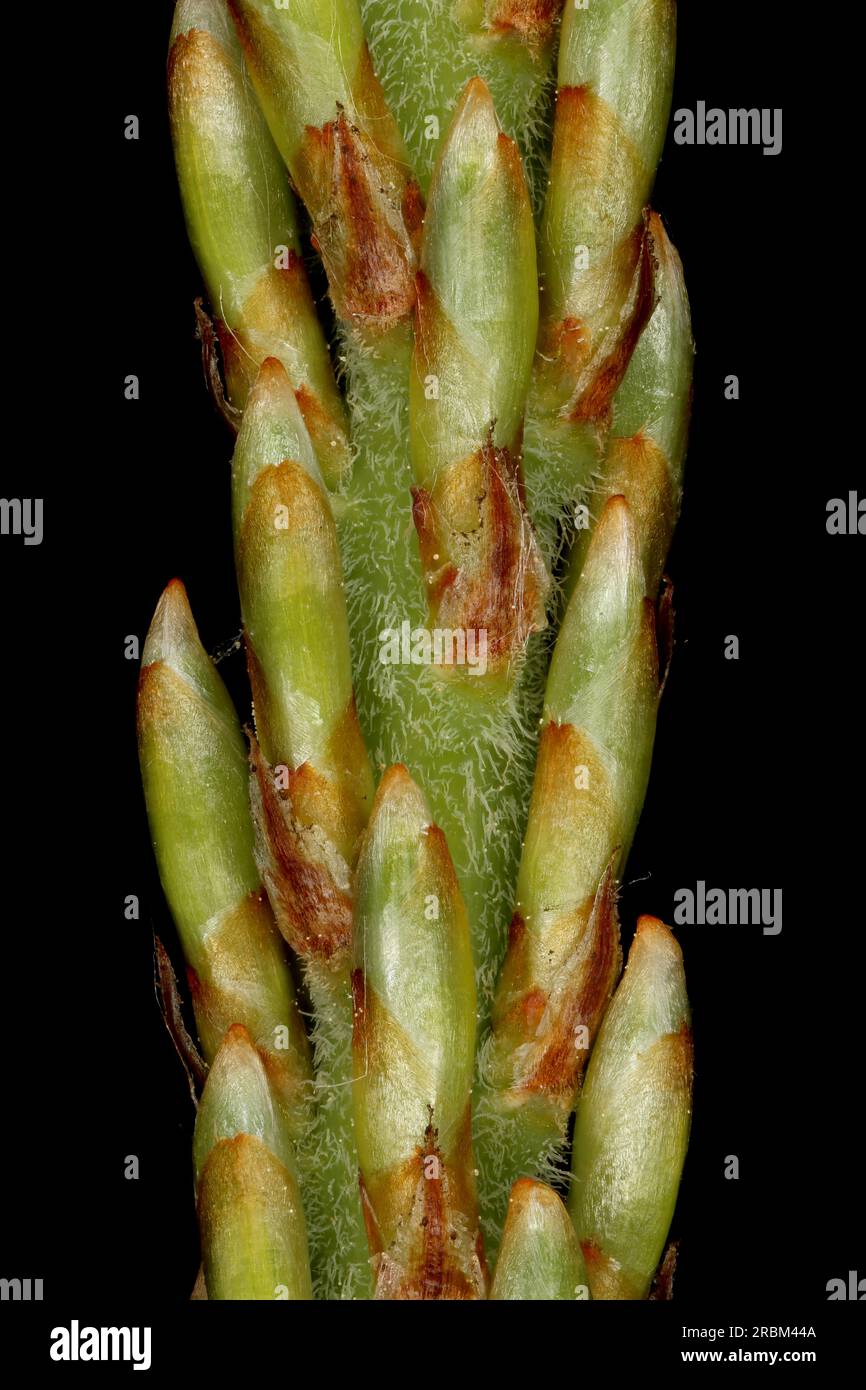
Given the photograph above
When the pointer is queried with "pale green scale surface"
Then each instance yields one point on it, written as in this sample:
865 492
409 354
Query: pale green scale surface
236 195
194 771
633 1117
478 255
291 590
255 1241
296 48
418 964
540 1258
294 610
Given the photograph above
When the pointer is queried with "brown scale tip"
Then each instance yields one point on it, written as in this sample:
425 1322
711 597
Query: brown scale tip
490 578
172 629
272 369
173 602
662 1290
238 1034
396 778
528 1191
475 91
653 932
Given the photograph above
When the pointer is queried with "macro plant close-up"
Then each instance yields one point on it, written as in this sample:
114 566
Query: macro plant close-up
441 901
450 339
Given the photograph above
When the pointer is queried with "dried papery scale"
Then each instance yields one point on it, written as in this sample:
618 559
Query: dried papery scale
313 75
311 783
633 1119
414 1048
242 223
253 1233
425 52
594 758
614 85
194 772
540 1259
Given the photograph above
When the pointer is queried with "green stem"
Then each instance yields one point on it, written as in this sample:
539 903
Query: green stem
425 51
472 751
327 1155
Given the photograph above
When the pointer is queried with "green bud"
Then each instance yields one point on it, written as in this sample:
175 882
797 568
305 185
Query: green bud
294 611
615 80
194 769
324 106
242 224
647 448
475 328
413 1045
195 777
539 1258
478 315
254 1241
633 1119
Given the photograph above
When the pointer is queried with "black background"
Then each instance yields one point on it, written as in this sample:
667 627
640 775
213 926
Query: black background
758 769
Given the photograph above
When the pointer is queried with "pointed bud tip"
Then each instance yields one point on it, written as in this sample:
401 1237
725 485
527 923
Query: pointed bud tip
669 277
654 935
616 511
237 1089
172 628
396 775
272 367
614 548
657 970
398 792
401 823
531 1192
475 96
273 431
474 129
238 1036
175 591
237 1049
271 382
